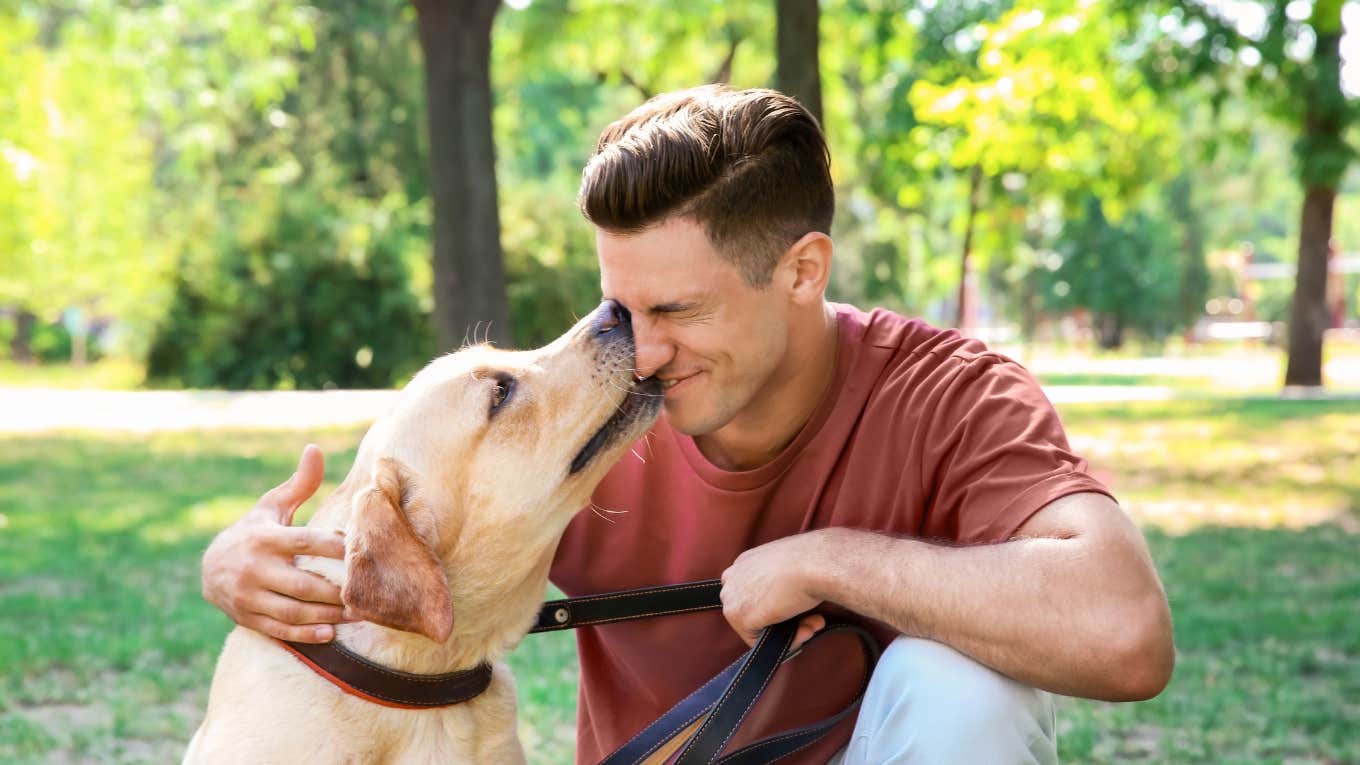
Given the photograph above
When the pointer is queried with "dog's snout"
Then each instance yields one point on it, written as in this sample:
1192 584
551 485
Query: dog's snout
612 318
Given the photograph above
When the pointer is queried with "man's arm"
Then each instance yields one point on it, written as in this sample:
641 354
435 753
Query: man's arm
1072 604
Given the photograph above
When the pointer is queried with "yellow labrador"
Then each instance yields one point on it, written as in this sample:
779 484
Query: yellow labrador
454 506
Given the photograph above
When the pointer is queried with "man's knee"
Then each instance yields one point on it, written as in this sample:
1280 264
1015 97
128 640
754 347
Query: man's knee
929 703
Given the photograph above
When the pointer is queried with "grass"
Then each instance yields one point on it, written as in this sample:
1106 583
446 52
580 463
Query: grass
105 374
1252 509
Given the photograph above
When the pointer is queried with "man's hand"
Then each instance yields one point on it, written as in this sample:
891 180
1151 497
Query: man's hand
248 569
765 586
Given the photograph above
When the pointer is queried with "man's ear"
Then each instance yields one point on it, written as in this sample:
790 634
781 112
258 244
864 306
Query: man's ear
807 267
393 577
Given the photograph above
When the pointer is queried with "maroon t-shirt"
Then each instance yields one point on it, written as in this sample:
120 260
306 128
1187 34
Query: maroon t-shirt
921 433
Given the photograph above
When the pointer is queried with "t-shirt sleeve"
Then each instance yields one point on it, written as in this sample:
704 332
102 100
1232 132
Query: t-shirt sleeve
997 454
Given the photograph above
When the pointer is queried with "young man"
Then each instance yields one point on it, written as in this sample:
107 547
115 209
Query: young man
813 456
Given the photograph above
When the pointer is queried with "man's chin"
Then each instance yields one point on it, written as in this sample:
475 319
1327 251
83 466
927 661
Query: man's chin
684 420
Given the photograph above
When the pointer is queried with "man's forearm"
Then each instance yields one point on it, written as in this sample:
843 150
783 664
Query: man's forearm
1081 616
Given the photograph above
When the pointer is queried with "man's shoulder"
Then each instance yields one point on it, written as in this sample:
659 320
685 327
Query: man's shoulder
915 347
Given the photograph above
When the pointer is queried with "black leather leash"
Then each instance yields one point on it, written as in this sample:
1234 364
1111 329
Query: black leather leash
724 701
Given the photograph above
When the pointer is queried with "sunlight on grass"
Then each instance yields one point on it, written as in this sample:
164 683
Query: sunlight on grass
1201 371
1262 463
199 520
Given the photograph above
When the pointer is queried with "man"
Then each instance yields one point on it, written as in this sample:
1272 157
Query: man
814 456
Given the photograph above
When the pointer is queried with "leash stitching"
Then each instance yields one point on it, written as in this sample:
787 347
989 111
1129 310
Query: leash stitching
756 697
735 681
696 692
639 593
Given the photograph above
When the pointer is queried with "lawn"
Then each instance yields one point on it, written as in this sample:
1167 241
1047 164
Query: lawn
105 374
1252 508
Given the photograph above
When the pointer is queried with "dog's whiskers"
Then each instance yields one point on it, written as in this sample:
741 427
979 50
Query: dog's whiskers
597 510
633 391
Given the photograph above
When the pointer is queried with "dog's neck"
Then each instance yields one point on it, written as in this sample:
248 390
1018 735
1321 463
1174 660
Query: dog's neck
490 618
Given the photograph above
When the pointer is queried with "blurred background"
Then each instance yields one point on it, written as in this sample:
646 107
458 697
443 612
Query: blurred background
230 228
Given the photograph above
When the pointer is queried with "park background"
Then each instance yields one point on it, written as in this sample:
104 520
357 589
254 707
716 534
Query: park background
231 228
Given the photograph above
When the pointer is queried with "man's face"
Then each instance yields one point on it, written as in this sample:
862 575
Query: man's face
714 339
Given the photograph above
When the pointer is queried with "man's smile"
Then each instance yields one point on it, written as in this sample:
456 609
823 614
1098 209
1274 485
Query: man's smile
674 385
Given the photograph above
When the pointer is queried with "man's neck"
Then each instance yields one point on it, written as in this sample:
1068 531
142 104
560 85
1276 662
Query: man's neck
770 423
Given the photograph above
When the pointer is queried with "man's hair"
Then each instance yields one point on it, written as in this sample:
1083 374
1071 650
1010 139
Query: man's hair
751 166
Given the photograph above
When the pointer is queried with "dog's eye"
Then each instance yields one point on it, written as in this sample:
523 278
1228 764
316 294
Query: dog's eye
501 393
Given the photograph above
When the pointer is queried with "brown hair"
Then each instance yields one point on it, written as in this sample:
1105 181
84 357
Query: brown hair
751 166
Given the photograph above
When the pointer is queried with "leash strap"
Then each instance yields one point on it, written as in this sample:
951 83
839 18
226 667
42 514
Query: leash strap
723 702
627 605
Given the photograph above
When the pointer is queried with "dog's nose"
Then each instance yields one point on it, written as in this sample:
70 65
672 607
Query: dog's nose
611 316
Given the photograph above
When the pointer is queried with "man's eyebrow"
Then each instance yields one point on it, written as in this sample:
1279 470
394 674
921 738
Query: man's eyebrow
674 307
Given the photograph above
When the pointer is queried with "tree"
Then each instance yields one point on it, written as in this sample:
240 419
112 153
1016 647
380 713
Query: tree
1049 113
469 275
1323 158
1127 273
302 195
562 71
72 144
1286 57
797 47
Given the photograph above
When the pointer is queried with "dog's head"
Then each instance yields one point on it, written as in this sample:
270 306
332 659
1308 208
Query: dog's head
484 439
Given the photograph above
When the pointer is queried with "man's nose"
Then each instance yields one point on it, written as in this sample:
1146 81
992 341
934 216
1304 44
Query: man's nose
652 349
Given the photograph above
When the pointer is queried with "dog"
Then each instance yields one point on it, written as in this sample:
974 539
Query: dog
451 514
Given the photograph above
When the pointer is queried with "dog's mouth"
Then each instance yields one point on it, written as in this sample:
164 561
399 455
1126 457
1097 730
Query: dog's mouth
641 402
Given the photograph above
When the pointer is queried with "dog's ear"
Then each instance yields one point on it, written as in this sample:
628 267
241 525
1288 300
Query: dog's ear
393 577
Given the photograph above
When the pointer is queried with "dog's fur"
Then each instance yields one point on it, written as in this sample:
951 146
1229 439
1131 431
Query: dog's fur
451 515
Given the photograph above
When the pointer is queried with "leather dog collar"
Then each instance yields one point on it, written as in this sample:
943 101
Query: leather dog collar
360 677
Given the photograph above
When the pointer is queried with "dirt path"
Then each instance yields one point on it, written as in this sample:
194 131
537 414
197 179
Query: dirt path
33 410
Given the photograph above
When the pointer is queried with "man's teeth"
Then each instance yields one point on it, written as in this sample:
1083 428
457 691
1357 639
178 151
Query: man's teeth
664 383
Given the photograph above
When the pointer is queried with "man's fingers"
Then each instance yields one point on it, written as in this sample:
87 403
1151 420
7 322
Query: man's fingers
297 633
286 610
304 585
285 498
306 540
809 626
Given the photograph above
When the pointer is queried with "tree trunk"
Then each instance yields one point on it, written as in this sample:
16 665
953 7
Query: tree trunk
1308 317
1323 158
1109 332
1194 274
20 346
967 286
797 72
469 274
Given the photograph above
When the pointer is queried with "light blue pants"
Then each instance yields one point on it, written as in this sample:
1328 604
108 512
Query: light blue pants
928 703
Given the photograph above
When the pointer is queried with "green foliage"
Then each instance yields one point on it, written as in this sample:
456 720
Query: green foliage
75 173
181 125
550 263
319 298
1279 54
1047 102
299 164
51 343
1124 272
